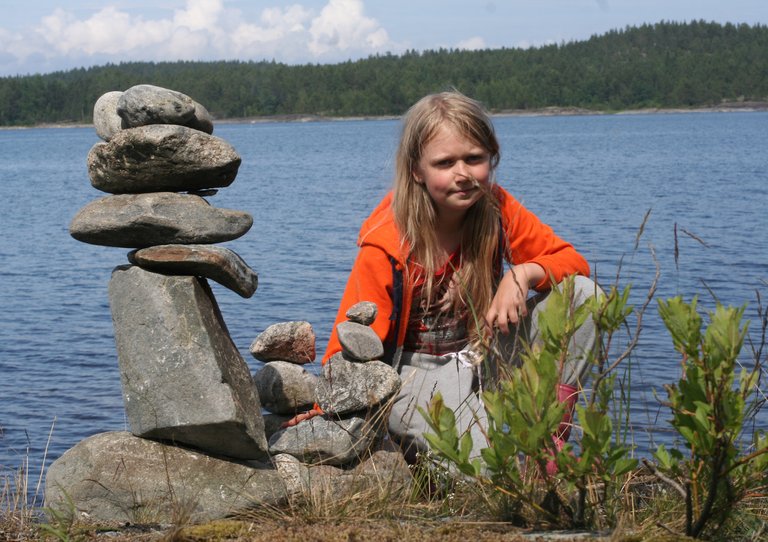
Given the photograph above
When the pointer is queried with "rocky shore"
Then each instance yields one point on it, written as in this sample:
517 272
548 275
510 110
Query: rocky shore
725 107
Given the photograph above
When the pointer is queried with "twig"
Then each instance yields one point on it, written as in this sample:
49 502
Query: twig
668 529
658 474
638 326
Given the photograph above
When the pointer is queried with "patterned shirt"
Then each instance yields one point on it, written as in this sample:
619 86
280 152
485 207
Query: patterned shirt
432 329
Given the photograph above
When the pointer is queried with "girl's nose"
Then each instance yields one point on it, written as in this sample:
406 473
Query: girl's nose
461 169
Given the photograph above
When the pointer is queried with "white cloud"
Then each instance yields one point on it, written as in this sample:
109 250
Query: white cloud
202 29
199 14
472 44
342 26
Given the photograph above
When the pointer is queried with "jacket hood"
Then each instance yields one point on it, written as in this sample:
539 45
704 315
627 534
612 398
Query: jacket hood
379 230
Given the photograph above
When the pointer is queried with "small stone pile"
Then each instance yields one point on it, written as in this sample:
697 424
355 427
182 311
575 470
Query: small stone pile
352 391
198 442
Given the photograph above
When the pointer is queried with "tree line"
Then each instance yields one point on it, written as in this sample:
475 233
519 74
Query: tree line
667 64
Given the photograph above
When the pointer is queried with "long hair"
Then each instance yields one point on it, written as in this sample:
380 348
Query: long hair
415 212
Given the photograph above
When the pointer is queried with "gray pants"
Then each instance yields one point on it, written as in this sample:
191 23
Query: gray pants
423 374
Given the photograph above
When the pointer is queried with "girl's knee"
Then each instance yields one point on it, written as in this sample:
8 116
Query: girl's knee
585 287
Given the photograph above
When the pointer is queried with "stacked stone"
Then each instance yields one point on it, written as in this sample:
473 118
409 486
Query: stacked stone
183 378
186 388
184 382
352 392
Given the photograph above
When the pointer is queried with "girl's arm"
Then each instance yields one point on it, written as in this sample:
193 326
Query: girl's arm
529 240
538 257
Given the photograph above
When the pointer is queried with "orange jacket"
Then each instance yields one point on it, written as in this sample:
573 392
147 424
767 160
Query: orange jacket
377 274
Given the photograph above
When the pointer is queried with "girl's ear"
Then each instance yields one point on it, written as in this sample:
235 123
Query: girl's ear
417 177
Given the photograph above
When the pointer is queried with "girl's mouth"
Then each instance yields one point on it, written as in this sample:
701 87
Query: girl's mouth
470 188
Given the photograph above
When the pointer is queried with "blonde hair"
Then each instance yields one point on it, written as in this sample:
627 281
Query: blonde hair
415 212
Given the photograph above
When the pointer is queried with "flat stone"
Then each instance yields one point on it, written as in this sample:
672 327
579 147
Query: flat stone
142 220
183 378
117 477
209 261
142 105
285 341
162 157
285 388
363 313
105 118
322 440
359 342
355 386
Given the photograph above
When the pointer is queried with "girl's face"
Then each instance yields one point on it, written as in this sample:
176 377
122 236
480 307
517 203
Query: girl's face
451 168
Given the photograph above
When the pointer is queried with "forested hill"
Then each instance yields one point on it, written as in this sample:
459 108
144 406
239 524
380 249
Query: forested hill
662 65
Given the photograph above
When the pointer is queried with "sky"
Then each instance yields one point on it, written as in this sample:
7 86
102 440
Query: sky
41 36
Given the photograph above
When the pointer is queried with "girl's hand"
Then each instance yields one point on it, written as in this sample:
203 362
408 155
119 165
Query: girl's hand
509 302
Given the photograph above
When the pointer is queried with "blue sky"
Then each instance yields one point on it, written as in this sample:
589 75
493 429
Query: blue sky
38 36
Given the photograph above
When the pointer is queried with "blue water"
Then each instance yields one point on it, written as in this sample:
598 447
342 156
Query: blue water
308 187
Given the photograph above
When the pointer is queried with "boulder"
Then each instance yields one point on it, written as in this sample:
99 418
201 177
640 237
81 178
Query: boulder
142 220
286 341
213 262
324 440
142 105
105 118
382 474
359 342
355 386
117 477
386 467
363 313
161 157
285 388
183 378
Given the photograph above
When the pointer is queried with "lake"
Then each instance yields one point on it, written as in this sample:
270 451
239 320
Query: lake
310 185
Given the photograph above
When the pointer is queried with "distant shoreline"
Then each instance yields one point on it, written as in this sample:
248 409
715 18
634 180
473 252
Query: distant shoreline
553 111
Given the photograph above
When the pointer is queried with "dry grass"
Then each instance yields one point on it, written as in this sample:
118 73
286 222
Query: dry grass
21 498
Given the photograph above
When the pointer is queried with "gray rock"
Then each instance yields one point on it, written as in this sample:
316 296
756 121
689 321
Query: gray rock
201 120
359 342
321 440
363 313
388 468
293 473
141 105
183 378
213 262
162 157
142 220
355 386
117 477
285 388
285 341
273 422
105 118
382 474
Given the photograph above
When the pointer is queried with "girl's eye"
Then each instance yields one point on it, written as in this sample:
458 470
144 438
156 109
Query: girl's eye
476 159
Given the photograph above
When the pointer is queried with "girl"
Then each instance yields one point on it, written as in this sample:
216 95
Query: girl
432 257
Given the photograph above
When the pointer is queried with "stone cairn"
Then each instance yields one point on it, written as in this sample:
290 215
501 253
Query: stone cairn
198 444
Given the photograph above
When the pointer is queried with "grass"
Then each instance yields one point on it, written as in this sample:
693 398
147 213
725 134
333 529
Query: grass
20 501
438 505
